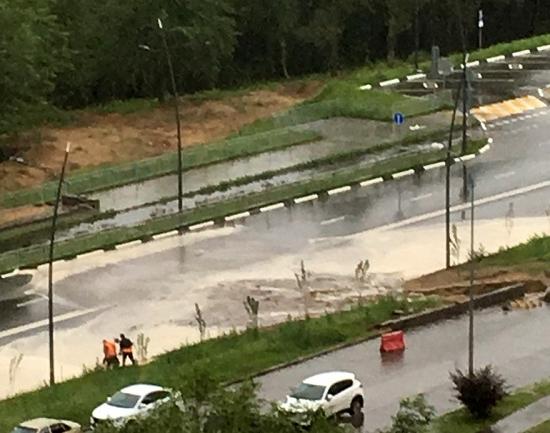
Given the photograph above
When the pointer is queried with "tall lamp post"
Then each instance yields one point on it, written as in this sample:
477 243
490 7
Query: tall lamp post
416 35
471 291
50 267
480 25
177 111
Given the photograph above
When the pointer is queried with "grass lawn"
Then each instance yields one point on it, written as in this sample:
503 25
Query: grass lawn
226 359
461 422
542 428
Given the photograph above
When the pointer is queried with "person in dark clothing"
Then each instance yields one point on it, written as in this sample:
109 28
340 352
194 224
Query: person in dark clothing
126 349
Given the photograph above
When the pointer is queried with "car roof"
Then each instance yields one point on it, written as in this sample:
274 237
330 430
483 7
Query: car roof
39 423
329 378
141 389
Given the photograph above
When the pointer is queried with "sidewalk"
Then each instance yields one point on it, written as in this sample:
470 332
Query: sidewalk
525 419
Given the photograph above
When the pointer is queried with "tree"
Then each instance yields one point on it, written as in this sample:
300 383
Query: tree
33 50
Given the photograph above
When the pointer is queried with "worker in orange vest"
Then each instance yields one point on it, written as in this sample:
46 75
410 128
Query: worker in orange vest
126 349
110 358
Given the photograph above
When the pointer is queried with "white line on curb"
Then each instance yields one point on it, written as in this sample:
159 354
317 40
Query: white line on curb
505 175
484 149
272 207
421 197
416 77
403 173
541 93
483 126
166 235
389 82
366 87
456 208
306 198
372 181
201 226
90 254
521 53
237 216
490 140
434 165
496 59
472 64
339 190
465 158
11 274
128 244
543 48
41 323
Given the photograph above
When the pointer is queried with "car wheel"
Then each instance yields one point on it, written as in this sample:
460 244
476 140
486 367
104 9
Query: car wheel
356 406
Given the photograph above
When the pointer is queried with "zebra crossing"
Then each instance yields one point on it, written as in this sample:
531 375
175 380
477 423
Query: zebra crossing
508 108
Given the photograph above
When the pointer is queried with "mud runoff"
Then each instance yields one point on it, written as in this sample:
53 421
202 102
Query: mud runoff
281 299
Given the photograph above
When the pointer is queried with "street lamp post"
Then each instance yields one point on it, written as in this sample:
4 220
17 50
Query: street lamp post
50 267
416 35
177 111
471 291
448 164
480 25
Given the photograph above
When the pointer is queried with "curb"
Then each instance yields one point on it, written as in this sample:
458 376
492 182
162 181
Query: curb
473 64
404 323
268 208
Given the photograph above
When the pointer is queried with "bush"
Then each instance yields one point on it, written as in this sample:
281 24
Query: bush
480 392
414 416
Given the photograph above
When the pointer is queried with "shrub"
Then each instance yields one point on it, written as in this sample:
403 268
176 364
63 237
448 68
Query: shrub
479 392
414 416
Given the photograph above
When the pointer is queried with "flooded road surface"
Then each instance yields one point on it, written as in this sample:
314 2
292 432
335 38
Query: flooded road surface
516 344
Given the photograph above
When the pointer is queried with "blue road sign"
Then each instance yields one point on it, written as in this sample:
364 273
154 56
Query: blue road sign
398 118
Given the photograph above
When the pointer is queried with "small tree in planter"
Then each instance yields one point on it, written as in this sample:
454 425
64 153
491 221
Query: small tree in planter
480 392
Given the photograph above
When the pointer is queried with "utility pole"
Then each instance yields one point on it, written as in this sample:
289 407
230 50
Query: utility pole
471 301
465 121
177 111
416 35
50 267
448 165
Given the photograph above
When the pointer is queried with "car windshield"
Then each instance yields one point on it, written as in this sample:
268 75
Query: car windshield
121 399
306 391
21 429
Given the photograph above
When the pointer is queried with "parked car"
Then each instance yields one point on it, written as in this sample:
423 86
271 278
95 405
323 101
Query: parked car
334 393
47 425
129 403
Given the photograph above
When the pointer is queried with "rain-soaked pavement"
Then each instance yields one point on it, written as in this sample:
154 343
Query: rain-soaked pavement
397 225
515 343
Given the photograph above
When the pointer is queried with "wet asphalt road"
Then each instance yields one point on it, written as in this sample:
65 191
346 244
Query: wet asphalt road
515 161
516 343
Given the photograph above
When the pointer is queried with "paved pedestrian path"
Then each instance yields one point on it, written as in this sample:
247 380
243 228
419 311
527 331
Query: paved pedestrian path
525 419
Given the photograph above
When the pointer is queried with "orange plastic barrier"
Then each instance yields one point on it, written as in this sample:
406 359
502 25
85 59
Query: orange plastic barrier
392 342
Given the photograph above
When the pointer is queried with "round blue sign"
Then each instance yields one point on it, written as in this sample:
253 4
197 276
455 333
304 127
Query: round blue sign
398 118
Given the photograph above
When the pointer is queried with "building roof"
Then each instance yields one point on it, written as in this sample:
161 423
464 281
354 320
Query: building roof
328 378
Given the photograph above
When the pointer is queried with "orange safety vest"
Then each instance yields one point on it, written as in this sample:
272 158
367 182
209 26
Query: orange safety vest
109 349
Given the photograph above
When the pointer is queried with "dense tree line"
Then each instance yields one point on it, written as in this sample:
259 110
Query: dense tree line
77 52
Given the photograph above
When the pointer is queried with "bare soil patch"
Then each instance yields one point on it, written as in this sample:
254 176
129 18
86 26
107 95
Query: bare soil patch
111 138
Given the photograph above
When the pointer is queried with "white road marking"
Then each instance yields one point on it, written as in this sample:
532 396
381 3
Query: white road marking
484 149
515 119
421 197
128 245
202 225
31 302
528 116
41 323
11 274
521 53
166 235
372 181
366 87
403 173
389 82
237 216
339 190
415 77
435 165
505 175
492 126
306 198
472 64
333 221
496 59
543 48
464 206
272 207
541 93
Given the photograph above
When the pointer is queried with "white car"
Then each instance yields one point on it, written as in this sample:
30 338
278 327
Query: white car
129 403
335 393
47 425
